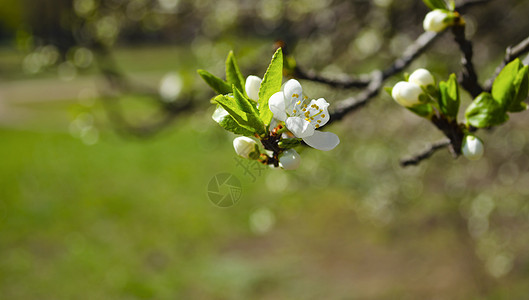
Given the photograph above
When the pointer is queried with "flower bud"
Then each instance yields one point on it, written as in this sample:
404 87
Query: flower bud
435 20
290 160
422 77
253 83
244 146
406 93
472 147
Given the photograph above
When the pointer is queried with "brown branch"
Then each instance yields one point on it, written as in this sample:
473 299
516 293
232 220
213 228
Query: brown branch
350 104
511 53
426 153
468 77
363 80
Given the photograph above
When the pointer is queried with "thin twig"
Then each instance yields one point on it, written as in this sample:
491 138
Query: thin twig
426 153
468 77
377 77
511 53
363 80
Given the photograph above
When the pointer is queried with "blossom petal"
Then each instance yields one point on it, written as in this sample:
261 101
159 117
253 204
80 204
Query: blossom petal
322 140
293 92
324 115
219 114
299 127
276 103
253 83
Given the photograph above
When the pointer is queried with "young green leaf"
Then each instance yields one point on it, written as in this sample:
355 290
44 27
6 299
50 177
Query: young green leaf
218 85
233 74
231 125
449 97
521 88
503 89
422 110
230 105
252 114
485 111
271 84
389 90
226 121
435 4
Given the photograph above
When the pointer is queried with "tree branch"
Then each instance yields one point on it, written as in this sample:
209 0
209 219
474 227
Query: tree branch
511 53
424 154
468 77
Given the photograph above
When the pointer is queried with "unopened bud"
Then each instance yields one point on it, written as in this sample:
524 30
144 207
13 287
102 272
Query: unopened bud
290 160
245 147
472 147
435 20
253 83
406 93
422 77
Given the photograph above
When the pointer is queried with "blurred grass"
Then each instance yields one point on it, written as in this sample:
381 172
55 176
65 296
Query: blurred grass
130 219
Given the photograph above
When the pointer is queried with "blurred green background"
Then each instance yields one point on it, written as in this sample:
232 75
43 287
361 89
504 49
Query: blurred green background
100 198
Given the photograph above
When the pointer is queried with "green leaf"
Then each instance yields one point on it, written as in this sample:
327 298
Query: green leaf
422 110
485 111
435 4
503 89
451 5
233 74
271 84
218 85
449 99
230 105
231 125
521 88
252 114
388 90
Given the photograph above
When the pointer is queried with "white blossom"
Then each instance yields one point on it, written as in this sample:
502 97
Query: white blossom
422 77
435 20
406 93
289 160
244 146
472 147
253 83
302 117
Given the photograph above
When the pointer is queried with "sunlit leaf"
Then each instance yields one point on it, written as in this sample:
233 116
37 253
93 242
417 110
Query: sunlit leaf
271 84
233 74
218 85
449 99
485 111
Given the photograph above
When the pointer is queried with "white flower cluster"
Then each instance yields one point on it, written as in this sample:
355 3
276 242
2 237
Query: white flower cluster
407 93
302 117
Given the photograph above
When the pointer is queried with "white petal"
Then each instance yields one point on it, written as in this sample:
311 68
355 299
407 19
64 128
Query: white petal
406 93
434 21
253 83
290 160
322 140
472 147
323 116
276 103
219 114
293 92
244 146
421 77
299 127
